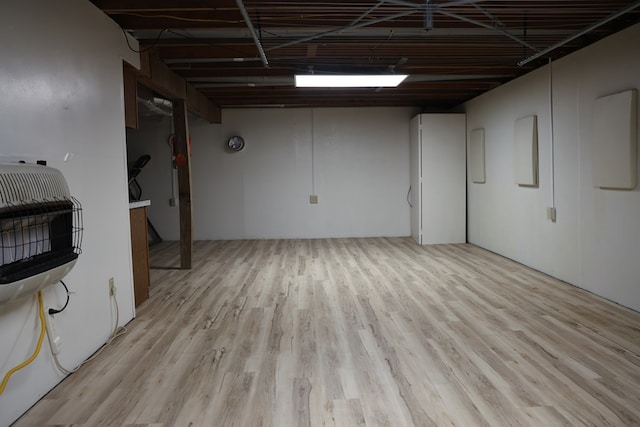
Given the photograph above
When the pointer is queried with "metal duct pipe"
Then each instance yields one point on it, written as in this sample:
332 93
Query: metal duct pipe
256 40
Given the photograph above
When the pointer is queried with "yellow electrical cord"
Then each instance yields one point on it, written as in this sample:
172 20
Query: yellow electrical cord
43 328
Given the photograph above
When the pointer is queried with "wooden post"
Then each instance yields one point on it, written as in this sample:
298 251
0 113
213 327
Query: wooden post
156 75
183 161
130 83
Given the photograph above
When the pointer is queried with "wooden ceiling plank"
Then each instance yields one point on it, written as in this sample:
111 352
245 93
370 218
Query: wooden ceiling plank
116 6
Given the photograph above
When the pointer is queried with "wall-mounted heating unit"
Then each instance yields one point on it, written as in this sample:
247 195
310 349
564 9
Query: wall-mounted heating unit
40 229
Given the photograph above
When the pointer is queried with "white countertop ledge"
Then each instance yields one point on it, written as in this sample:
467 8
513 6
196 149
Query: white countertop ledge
139 204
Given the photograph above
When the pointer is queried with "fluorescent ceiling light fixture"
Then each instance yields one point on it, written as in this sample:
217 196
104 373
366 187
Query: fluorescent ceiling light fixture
350 80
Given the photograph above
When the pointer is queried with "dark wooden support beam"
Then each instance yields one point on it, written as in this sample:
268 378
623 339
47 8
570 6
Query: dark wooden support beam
183 161
130 82
200 105
157 76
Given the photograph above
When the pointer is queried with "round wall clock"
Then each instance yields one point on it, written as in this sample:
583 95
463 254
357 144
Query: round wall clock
235 143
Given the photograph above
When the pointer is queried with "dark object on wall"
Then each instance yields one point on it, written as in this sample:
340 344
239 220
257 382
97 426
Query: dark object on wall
135 193
235 143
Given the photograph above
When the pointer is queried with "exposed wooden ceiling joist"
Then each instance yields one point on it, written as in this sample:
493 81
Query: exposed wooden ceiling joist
472 46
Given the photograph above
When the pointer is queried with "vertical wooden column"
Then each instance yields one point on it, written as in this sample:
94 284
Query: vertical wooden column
183 161
140 254
130 82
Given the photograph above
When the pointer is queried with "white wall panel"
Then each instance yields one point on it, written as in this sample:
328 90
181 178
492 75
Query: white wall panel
609 221
476 156
61 92
614 142
525 158
355 160
596 240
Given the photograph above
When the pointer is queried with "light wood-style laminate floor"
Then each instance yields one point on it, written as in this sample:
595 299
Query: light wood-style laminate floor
357 332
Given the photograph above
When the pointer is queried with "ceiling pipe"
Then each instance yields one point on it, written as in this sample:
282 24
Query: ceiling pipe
428 16
364 15
206 60
435 6
357 24
580 33
458 3
340 30
491 27
440 9
495 20
252 30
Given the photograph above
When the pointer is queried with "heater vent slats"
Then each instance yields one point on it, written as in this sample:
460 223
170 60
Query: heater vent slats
28 186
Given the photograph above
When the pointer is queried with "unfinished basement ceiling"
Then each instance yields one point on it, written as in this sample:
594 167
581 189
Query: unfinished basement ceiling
244 53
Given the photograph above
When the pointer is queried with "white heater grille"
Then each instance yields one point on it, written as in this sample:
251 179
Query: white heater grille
40 229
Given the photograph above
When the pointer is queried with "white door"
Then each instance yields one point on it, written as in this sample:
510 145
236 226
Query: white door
443 171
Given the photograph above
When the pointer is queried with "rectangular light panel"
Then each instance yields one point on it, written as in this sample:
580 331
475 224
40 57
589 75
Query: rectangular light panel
330 81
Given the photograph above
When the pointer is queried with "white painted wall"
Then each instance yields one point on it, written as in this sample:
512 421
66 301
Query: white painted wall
360 159
595 243
61 92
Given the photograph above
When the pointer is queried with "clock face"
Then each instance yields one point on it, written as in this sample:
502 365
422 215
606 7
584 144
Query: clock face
235 143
